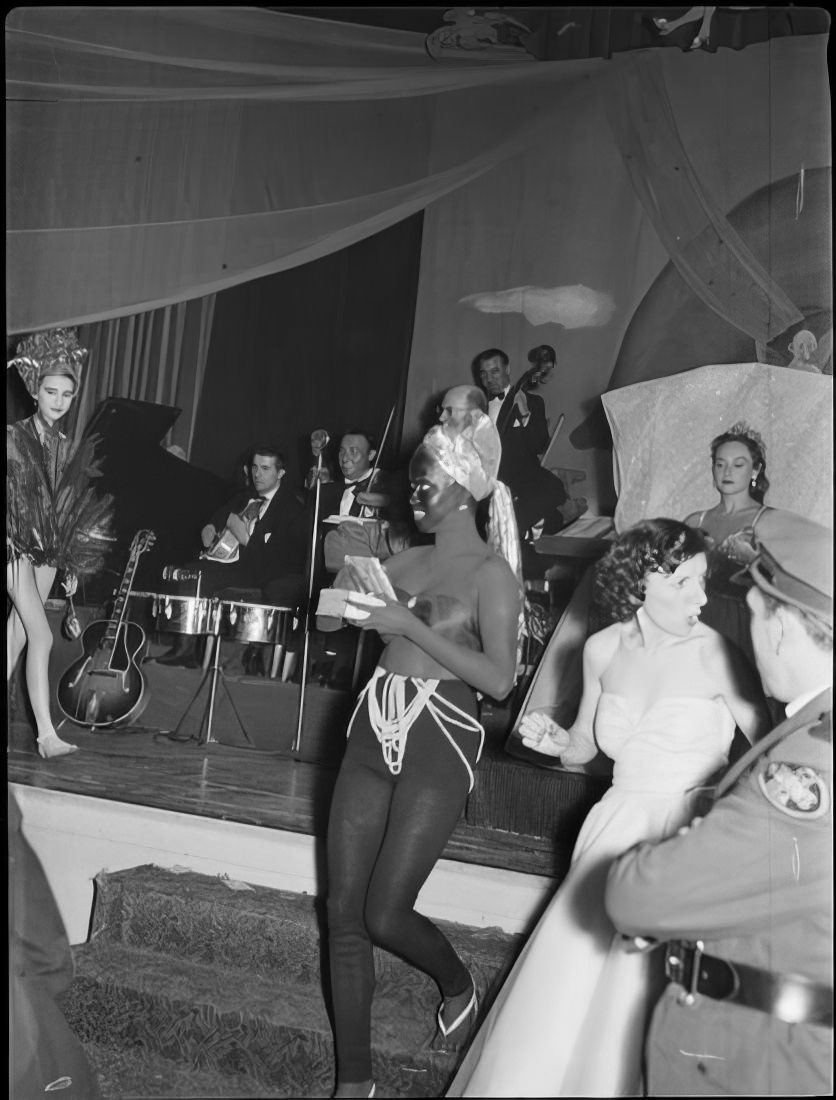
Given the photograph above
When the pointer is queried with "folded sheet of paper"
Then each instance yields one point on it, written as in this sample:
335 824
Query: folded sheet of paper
369 582
368 575
334 602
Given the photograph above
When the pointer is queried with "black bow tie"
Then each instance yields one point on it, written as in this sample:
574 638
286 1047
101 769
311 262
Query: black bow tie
498 397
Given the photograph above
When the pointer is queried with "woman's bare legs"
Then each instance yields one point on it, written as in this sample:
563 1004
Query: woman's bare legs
27 625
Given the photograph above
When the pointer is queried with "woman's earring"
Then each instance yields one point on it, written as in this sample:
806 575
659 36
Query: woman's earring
754 483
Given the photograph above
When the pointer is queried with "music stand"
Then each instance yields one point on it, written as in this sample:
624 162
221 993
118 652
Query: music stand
213 674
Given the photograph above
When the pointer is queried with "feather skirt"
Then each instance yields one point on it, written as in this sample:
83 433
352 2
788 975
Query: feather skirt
68 528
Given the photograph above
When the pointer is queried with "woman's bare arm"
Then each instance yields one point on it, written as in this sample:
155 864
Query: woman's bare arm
736 681
493 669
598 652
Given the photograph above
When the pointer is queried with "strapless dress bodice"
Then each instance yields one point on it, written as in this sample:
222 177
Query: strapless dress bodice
676 744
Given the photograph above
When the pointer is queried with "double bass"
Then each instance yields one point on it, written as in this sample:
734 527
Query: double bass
105 687
543 360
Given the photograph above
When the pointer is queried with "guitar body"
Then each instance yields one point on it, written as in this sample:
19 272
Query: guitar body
105 687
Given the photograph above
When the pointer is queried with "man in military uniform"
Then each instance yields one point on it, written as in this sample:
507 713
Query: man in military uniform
740 901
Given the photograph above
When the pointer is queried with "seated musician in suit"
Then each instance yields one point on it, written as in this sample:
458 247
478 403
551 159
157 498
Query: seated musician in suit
376 497
255 541
456 406
363 492
541 503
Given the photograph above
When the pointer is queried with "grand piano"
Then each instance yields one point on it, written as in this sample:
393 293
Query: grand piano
152 489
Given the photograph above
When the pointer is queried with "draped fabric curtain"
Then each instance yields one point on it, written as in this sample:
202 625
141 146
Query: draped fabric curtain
158 155
161 154
157 356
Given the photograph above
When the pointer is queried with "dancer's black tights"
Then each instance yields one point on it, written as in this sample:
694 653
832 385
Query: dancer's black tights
385 834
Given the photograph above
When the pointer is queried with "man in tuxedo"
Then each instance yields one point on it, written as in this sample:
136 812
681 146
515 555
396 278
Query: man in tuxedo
741 902
350 495
266 522
379 501
541 502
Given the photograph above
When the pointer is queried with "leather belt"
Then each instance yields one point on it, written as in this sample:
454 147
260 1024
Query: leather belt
789 997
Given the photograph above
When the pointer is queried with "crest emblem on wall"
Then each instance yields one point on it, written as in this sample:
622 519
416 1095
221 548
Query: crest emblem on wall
479 34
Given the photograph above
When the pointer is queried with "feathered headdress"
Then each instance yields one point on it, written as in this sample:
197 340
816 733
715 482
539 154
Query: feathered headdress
53 351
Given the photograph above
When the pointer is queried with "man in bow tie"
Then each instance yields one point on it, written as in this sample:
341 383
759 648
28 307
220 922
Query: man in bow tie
380 501
350 495
266 550
541 503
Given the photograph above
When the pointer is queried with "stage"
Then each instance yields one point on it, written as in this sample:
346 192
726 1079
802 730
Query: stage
244 805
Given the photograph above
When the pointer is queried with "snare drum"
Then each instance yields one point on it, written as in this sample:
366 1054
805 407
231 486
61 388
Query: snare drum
183 614
253 622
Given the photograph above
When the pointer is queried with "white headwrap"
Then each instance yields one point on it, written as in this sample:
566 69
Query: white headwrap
471 458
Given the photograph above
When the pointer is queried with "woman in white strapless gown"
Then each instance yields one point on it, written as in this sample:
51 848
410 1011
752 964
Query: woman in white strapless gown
662 695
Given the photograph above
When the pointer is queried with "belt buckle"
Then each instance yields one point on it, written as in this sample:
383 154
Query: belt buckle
682 966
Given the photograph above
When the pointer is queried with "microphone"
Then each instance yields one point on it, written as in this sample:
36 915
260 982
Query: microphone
174 573
319 440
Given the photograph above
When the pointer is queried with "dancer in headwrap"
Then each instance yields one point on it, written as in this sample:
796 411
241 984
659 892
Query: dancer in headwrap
54 518
414 739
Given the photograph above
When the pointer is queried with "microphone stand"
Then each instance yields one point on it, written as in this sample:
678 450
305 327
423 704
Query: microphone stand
297 741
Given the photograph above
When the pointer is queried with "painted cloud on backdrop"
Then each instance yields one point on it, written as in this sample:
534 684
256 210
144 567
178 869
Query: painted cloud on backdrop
570 306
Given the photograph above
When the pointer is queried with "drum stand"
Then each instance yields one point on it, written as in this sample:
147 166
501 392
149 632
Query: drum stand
213 674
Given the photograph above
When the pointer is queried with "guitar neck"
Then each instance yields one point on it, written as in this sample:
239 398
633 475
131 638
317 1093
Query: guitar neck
120 604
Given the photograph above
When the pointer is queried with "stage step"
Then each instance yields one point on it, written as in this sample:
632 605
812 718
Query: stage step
220 976
124 1073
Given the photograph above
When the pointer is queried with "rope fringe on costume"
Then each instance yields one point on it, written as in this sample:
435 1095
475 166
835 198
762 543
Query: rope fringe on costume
392 717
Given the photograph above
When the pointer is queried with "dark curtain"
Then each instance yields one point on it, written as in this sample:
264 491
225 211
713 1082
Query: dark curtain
324 345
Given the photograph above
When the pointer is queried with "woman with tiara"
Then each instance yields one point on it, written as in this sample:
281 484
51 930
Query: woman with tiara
414 738
738 469
54 518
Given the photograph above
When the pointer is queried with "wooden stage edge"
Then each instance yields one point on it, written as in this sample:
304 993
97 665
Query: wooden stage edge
249 811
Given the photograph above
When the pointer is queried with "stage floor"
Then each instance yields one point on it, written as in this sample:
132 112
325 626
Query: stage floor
229 779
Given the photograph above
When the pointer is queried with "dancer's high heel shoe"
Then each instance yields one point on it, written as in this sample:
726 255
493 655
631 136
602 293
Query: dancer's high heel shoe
52 746
451 1037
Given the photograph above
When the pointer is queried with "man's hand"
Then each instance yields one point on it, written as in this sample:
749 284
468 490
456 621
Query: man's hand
238 528
207 535
542 734
521 402
70 584
372 500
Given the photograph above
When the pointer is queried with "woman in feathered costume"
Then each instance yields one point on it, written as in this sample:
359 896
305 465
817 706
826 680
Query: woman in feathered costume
54 517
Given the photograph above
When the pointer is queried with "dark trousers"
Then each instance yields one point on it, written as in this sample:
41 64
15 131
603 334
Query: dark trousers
44 1054
385 834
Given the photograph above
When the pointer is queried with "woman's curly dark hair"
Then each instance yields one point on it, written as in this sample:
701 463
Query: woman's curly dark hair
652 546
